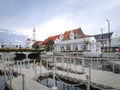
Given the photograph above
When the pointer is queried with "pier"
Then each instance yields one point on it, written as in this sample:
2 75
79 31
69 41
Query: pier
74 69
78 70
26 74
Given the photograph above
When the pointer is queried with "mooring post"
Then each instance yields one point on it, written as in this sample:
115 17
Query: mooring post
33 64
17 66
40 67
47 64
98 66
5 77
28 63
63 62
88 82
75 65
54 76
23 82
54 86
10 78
20 67
114 64
83 65
35 71
55 58
67 69
91 60
70 63
90 73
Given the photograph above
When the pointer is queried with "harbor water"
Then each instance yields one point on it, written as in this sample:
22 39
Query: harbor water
64 85
2 85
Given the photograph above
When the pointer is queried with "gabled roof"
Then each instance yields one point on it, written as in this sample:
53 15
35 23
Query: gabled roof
39 43
105 36
75 31
53 38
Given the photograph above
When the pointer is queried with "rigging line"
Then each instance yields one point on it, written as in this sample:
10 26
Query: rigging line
70 84
102 88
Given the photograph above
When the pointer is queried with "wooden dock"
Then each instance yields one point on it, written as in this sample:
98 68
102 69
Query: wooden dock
30 76
29 84
99 78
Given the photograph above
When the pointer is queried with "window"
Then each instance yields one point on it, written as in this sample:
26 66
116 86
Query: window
68 47
75 48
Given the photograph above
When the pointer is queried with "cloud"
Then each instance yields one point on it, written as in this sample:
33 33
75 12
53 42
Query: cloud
55 26
64 15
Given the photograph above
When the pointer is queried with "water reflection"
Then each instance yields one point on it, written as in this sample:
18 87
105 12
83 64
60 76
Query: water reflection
60 85
2 85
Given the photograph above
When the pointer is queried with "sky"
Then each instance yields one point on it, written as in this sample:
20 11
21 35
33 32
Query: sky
53 17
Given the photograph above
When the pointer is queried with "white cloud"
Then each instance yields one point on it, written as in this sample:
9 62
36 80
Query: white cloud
91 17
54 26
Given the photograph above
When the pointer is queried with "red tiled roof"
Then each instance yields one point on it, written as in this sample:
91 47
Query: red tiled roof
67 33
53 38
39 42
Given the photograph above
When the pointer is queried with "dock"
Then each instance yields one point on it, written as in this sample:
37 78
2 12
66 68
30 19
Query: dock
27 78
99 78
27 84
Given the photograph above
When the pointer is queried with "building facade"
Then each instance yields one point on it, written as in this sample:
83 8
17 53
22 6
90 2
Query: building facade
108 41
76 40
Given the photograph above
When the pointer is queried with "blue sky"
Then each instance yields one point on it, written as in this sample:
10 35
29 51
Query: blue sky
51 17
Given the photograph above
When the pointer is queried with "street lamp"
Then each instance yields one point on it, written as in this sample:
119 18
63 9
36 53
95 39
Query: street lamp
109 33
102 39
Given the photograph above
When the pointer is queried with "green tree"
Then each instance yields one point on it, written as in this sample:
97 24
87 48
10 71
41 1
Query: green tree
35 46
49 46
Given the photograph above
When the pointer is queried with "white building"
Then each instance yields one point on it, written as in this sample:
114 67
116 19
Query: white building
76 40
108 39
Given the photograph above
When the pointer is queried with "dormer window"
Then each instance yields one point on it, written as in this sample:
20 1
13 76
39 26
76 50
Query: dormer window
72 36
61 37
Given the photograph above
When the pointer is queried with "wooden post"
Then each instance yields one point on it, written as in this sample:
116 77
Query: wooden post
67 69
35 71
91 60
83 64
23 81
54 76
20 67
34 64
54 86
75 65
10 78
70 63
89 73
88 82
63 62
47 63
55 61
5 77
40 66
98 64
17 66
114 64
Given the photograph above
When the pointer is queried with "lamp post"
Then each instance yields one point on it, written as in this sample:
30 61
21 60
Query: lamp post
109 33
102 39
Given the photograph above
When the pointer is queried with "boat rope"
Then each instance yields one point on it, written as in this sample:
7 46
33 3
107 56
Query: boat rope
69 84
102 88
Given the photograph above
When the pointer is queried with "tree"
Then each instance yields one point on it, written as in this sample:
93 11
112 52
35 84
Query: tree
35 45
49 45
